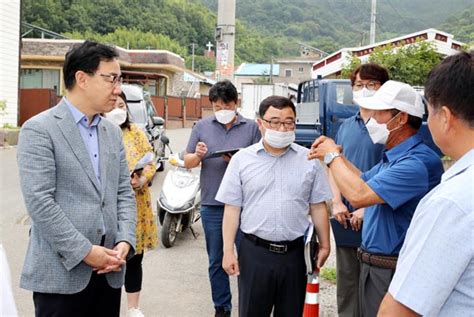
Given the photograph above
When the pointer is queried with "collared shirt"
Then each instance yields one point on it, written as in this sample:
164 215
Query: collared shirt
406 173
244 132
359 149
275 192
88 134
435 270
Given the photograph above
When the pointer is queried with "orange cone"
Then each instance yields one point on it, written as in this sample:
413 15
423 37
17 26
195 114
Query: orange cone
311 303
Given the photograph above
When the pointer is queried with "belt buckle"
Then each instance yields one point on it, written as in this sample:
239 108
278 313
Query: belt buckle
278 248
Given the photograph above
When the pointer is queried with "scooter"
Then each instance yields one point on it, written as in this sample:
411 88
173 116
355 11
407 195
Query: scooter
179 204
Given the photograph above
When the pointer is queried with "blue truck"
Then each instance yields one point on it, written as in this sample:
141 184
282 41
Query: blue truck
323 104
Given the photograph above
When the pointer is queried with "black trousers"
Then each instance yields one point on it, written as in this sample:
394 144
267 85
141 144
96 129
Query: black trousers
97 299
134 274
270 280
373 285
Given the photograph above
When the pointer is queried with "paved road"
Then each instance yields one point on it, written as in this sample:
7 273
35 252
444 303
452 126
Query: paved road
175 280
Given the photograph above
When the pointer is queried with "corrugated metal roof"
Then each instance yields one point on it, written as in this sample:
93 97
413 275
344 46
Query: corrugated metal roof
256 70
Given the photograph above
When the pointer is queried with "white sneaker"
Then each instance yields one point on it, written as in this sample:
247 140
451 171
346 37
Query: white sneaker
135 312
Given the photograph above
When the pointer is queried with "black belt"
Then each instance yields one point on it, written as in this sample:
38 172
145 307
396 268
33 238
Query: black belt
276 247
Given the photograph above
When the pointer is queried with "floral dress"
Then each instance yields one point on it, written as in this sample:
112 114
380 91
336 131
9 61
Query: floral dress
136 146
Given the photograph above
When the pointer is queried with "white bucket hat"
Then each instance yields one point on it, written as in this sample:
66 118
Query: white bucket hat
394 95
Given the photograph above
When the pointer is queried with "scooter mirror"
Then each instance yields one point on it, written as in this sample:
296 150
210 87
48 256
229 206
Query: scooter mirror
165 139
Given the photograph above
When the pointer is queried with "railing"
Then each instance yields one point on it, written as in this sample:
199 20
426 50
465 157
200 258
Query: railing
178 112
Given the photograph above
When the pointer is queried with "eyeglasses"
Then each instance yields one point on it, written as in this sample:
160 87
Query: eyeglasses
114 79
276 124
371 85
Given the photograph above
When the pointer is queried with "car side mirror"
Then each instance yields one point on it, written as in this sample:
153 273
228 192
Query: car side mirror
158 121
165 139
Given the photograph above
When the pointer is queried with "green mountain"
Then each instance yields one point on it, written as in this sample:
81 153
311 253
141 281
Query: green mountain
265 28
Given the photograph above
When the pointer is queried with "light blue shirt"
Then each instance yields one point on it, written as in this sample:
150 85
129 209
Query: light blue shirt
275 192
435 270
88 134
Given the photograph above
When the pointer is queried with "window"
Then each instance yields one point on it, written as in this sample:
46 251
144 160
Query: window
344 94
301 69
40 78
288 73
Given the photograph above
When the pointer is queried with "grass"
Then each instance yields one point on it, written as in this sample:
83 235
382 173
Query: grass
328 274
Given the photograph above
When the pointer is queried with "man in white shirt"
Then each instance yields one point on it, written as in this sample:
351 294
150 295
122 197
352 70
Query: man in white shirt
435 269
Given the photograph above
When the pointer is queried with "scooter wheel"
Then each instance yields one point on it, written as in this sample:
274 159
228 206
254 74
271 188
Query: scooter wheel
169 230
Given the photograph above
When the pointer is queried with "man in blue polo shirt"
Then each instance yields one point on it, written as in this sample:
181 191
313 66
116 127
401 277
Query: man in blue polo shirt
359 149
391 190
225 130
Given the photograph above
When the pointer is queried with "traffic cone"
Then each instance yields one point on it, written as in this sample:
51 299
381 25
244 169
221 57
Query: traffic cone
311 303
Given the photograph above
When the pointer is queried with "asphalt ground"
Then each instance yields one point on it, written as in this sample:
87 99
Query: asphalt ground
175 280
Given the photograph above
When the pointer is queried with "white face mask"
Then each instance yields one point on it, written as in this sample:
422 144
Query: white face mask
117 116
225 116
363 93
379 132
278 139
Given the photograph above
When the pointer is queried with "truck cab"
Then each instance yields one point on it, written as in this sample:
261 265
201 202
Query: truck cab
323 104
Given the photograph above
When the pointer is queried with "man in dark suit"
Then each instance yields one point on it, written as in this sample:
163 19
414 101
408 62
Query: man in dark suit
76 186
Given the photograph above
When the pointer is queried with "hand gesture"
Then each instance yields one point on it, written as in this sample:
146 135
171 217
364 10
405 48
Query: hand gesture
230 264
322 146
357 219
201 150
137 180
340 213
101 258
226 157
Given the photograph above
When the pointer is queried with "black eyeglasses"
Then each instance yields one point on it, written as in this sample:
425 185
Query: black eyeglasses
276 124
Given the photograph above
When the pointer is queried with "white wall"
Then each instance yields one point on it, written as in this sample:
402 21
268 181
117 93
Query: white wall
9 58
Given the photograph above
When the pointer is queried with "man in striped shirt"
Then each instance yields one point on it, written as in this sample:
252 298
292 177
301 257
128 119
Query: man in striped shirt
271 187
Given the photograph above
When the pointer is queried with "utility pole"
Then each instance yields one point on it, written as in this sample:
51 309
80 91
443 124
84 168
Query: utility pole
192 61
225 40
372 21
271 70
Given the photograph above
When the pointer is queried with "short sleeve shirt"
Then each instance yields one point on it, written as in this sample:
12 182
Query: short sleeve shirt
359 149
405 174
243 133
275 192
435 270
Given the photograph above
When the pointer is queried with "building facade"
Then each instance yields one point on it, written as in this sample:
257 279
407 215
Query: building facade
9 61
331 66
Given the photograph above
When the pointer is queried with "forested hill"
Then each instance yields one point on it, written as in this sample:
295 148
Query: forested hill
330 24
265 28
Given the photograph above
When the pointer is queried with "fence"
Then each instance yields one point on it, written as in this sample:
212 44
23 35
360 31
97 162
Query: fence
178 112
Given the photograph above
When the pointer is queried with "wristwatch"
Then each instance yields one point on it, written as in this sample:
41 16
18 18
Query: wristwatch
329 157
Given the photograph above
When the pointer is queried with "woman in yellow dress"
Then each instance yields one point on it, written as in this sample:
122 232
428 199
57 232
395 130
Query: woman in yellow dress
136 146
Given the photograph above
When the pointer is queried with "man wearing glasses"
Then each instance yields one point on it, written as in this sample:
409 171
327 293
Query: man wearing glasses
76 186
270 188
359 149
225 130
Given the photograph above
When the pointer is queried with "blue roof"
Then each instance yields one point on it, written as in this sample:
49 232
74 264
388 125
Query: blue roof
257 70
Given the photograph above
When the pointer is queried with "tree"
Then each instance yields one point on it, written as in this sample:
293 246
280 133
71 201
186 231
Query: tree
410 64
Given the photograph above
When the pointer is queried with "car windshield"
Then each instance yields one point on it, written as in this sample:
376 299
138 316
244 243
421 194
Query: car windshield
138 112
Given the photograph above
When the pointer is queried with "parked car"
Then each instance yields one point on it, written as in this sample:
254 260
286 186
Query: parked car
143 114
